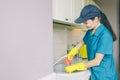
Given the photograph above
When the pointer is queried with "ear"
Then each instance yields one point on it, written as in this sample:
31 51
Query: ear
96 19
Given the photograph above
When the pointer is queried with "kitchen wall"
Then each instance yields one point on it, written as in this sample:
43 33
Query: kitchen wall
59 41
75 36
25 39
63 38
110 8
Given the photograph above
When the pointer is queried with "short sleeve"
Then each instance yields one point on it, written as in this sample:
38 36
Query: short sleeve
105 44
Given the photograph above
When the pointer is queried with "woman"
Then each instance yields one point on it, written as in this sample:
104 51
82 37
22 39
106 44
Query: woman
99 41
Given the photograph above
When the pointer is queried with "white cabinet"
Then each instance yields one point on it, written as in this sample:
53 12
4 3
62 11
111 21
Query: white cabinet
62 10
86 2
69 10
76 8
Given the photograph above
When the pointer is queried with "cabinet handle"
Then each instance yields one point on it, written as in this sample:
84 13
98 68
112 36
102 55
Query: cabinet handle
66 19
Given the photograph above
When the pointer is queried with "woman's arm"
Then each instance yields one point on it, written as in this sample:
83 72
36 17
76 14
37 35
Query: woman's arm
74 51
94 62
78 46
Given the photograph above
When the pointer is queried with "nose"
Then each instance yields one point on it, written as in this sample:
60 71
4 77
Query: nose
86 26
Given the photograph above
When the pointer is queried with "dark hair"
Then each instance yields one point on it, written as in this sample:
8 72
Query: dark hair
107 24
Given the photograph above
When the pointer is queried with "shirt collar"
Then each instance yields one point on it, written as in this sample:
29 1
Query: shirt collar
99 30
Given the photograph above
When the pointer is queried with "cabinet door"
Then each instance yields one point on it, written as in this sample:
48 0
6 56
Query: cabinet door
62 10
76 9
77 6
86 2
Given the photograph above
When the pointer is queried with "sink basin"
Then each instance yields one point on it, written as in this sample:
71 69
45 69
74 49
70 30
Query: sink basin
62 75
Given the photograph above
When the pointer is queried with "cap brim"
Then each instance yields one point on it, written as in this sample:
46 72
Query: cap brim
80 20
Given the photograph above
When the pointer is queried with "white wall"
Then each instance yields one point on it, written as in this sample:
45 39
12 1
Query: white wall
25 39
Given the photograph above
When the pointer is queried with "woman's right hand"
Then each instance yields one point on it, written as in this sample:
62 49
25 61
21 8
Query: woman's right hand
72 53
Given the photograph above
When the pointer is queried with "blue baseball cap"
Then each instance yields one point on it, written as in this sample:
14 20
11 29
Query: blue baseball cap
89 11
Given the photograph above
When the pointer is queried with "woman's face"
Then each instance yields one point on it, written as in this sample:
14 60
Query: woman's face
91 24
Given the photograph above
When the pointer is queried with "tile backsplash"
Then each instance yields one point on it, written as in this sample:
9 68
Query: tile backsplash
63 38
74 36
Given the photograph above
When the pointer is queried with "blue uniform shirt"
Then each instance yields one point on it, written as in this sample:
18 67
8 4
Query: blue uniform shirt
101 42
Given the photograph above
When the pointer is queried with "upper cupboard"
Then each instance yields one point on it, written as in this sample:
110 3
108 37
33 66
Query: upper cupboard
68 10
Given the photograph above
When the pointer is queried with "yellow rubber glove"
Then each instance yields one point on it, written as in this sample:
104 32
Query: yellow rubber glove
73 52
83 52
75 67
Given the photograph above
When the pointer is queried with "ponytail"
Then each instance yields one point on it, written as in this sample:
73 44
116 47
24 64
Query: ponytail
105 21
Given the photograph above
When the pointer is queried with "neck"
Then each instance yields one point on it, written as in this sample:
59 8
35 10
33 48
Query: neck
94 29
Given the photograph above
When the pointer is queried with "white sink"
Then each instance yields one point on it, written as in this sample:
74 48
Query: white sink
62 75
